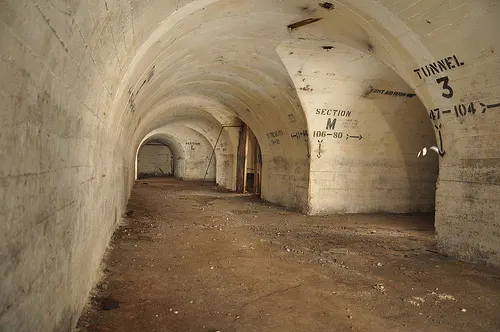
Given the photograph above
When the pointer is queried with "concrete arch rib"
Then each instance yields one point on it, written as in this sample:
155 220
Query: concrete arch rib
172 143
224 144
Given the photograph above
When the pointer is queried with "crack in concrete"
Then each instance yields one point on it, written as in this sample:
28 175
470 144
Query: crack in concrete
47 20
67 13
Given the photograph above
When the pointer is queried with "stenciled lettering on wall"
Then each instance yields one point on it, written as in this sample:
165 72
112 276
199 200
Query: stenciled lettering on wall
222 147
461 110
390 93
336 134
332 122
291 118
275 141
435 114
275 134
192 144
323 133
299 134
330 126
330 112
272 136
438 67
350 123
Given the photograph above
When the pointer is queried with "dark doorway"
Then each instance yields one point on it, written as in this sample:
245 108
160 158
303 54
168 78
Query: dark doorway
249 163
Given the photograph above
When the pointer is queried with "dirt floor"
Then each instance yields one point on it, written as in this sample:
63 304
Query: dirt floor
193 258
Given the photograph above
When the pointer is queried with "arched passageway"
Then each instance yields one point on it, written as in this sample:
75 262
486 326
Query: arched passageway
155 159
192 152
84 84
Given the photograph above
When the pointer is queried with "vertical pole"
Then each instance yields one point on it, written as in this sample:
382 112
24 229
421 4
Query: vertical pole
246 159
258 169
213 152
241 160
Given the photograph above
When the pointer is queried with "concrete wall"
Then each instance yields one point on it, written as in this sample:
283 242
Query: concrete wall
63 181
467 213
225 156
83 82
155 160
363 141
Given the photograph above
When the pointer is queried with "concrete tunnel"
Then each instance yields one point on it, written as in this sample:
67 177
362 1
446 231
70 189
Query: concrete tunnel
339 97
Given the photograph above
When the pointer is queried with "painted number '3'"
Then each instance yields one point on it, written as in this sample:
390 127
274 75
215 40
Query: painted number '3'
445 81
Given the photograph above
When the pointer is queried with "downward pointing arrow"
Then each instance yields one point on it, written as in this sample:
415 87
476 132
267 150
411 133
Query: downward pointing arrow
441 151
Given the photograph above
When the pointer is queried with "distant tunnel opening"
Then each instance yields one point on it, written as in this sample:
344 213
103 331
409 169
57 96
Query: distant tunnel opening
155 159
189 158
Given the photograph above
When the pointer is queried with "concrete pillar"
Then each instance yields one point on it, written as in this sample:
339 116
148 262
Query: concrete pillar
366 126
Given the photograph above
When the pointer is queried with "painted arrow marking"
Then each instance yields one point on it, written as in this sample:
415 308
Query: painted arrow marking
308 149
319 152
485 107
439 150
354 136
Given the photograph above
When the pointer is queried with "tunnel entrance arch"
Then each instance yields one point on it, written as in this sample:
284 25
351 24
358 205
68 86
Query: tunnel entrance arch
155 159
155 150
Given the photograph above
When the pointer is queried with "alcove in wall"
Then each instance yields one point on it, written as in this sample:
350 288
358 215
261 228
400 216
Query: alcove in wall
155 159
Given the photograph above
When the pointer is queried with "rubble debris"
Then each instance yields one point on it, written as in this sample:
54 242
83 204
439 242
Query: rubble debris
327 5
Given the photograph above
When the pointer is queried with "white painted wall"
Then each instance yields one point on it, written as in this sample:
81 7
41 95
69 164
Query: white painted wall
155 160
363 144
